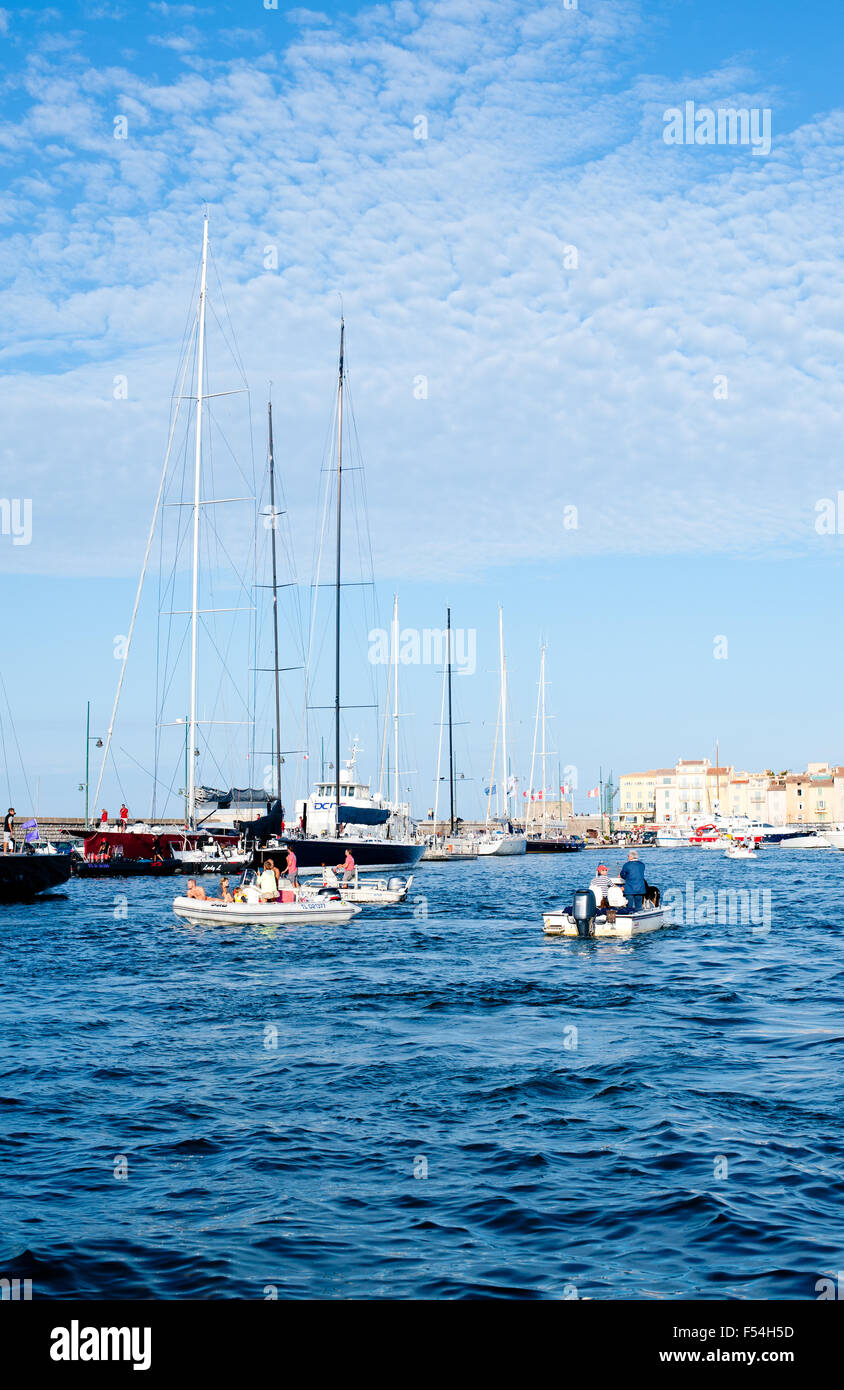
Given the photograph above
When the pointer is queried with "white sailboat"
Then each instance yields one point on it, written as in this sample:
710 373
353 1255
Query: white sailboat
503 841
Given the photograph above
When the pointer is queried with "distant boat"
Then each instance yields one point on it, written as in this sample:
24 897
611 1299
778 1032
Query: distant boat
823 841
560 844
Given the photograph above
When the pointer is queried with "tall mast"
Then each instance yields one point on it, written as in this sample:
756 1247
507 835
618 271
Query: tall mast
544 778
396 702
275 610
450 727
197 474
337 581
532 787
503 665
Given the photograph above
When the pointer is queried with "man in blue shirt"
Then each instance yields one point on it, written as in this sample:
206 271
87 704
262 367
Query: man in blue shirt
633 874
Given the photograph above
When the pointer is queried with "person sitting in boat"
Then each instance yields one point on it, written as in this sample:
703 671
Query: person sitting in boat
224 891
195 890
292 869
633 874
601 885
607 892
268 882
347 868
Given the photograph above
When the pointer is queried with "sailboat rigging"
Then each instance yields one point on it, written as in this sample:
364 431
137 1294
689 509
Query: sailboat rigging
505 841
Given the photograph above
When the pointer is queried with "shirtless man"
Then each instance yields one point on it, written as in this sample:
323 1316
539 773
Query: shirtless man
195 890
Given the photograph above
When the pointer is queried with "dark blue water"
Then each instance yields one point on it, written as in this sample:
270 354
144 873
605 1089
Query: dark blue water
451 1104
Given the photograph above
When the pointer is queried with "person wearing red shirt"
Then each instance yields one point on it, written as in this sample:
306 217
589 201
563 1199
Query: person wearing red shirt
347 868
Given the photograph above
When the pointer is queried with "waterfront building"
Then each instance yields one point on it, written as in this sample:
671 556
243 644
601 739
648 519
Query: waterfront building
695 791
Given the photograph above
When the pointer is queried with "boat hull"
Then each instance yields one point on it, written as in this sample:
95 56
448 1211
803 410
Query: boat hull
504 846
126 868
210 912
625 925
367 854
447 856
24 876
554 846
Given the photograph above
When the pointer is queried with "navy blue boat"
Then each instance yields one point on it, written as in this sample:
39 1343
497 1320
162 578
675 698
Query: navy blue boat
23 876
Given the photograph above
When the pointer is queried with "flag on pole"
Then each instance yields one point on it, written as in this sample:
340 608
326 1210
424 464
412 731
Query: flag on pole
594 792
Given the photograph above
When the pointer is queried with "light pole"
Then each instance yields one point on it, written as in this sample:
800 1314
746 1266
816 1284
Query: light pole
88 741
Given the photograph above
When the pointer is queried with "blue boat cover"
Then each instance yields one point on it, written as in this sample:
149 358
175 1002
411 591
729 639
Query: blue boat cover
362 815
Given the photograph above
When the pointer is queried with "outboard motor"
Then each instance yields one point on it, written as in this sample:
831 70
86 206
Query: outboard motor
395 885
584 909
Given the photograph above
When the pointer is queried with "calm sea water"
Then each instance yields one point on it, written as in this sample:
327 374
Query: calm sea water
434 1101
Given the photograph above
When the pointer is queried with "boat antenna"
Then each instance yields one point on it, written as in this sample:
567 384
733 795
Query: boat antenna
337 574
275 605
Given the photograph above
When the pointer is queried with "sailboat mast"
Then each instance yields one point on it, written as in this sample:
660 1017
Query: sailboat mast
275 609
503 666
396 788
529 813
197 475
450 726
337 582
544 778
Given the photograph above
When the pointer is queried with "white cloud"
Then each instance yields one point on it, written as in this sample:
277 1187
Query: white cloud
547 384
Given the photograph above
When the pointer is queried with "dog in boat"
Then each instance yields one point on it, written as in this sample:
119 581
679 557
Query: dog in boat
652 897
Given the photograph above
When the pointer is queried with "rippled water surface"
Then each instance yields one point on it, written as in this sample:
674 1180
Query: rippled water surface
433 1101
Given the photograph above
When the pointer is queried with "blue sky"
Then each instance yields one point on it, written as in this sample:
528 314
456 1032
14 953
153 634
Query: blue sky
551 380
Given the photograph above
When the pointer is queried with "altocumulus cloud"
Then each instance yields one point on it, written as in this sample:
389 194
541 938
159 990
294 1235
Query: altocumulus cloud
651 333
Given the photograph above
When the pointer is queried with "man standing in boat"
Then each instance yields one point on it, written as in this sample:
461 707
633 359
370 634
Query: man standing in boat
9 831
633 874
292 869
347 868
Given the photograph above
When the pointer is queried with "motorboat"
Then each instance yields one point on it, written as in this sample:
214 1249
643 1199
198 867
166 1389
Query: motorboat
823 841
834 837
302 907
584 919
692 837
379 892
740 852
